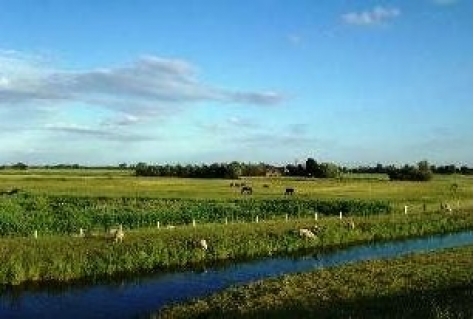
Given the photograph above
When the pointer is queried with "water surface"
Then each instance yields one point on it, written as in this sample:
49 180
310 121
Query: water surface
130 298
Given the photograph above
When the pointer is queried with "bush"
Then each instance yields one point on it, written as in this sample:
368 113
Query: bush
410 173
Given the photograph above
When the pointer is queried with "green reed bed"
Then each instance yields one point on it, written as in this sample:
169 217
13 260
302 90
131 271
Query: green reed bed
430 285
23 214
63 258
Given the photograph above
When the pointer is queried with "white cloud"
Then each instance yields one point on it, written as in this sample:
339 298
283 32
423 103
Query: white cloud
121 120
109 133
149 83
369 17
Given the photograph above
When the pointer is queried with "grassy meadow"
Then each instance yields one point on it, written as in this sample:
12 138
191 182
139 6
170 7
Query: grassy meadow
122 183
433 285
57 203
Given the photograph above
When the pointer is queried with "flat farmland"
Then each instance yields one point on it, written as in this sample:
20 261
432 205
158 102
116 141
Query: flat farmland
122 183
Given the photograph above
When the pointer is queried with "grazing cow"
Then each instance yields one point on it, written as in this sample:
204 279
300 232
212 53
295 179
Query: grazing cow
289 191
246 190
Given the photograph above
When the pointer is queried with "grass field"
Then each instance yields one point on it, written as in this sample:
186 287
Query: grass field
59 202
432 285
117 183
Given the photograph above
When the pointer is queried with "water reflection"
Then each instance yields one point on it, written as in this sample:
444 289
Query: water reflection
129 296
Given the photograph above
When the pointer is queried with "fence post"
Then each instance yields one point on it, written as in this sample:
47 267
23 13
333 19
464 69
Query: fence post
35 234
316 216
256 219
340 215
158 225
406 209
194 222
286 217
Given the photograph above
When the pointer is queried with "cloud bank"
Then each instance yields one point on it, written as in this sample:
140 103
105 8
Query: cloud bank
376 15
149 83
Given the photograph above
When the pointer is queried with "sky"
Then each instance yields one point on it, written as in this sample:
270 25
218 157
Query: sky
191 82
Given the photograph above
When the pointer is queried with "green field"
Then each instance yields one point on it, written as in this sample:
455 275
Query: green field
117 183
433 285
57 203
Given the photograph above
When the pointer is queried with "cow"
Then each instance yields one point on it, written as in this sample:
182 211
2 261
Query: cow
246 190
289 191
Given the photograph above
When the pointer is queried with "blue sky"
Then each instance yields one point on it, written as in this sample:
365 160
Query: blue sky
351 82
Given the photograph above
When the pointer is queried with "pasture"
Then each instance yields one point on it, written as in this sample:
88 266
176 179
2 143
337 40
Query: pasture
57 204
121 183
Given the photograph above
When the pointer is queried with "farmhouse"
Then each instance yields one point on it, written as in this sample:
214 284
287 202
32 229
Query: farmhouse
273 172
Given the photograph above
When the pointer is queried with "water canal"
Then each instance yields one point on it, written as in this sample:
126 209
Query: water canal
131 298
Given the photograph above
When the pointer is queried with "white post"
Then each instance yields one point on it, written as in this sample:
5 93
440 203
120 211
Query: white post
406 209
157 224
286 217
340 215
226 221
256 219
316 216
194 223
81 232
35 234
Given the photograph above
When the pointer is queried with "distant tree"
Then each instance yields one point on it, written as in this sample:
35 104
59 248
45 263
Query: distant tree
234 170
312 168
19 165
329 170
379 169
123 165
465 170
410 173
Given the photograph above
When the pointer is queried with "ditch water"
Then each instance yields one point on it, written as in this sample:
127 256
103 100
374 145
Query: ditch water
132 298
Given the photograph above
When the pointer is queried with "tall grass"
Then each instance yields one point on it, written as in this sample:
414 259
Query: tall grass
21 215
432 285
64 258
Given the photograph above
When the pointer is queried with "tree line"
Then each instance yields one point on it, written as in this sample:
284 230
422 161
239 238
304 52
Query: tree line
442 169
310 168
231 170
